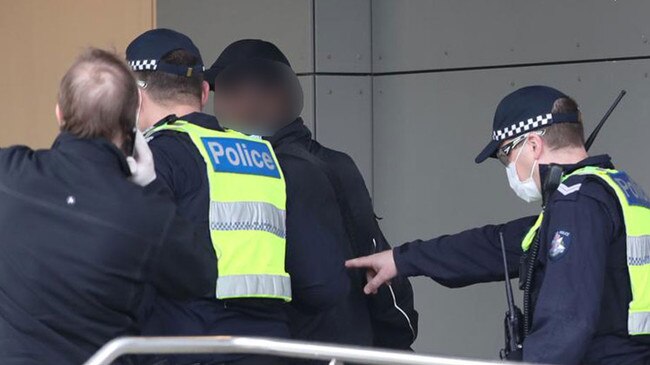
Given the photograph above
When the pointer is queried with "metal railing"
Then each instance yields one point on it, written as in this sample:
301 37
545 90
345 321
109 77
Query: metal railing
337 355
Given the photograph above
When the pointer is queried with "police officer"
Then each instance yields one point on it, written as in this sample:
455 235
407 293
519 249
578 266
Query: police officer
257 91
231 185
80 235
586 256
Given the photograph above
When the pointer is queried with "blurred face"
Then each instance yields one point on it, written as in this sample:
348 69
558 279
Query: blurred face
251 108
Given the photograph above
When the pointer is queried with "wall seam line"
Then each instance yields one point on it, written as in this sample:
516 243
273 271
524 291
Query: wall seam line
480 68
313 67
372 108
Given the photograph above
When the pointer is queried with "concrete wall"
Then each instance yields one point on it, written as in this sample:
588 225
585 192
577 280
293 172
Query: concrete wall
409 88
317 36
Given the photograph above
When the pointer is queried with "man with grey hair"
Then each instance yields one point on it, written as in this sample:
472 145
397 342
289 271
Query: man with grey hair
83 227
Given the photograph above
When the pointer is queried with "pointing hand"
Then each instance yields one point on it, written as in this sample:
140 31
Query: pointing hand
381 269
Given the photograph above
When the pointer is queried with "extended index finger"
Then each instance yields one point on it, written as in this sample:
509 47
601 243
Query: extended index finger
358 263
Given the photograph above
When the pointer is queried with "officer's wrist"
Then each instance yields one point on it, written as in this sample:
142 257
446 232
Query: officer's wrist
401 256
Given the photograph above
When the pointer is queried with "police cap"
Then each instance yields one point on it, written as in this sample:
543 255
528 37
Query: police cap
523 111
146 52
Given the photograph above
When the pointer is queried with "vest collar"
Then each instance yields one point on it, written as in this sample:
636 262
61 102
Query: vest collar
604 161
201 119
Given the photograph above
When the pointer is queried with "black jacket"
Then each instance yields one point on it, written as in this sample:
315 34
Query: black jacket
78 242
359 320
318 276
581 286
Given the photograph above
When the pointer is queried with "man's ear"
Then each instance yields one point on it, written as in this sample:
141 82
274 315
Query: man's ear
537 144
59 115
205 93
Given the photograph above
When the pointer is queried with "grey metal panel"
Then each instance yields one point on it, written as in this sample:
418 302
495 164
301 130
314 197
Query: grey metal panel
213 24
451 33
343 118
342 35
427 130
307 83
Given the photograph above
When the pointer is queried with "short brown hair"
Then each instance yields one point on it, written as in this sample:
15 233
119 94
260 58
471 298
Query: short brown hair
567 134
98 96
166 88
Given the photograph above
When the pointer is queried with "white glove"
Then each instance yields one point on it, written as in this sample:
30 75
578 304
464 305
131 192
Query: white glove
141 164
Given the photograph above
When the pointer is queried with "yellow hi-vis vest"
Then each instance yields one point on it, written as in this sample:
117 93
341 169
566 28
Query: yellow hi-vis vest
247 211
636 214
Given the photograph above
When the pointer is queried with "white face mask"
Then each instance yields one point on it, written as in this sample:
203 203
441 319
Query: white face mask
527 189
137 113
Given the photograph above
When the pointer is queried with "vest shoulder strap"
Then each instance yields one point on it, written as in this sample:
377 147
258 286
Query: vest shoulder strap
184 126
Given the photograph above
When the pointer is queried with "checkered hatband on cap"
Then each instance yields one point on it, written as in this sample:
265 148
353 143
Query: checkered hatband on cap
142 65
522 127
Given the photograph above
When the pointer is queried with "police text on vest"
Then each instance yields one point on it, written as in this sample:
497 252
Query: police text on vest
241 156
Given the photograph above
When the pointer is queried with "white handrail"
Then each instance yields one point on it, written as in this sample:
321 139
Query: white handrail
267 346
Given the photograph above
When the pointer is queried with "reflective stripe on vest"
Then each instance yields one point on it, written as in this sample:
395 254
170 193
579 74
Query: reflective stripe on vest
636 214
247 215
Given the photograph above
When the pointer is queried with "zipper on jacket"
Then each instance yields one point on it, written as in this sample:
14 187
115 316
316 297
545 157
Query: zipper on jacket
392 293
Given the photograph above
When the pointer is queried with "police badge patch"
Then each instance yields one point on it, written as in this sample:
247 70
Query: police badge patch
559 245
